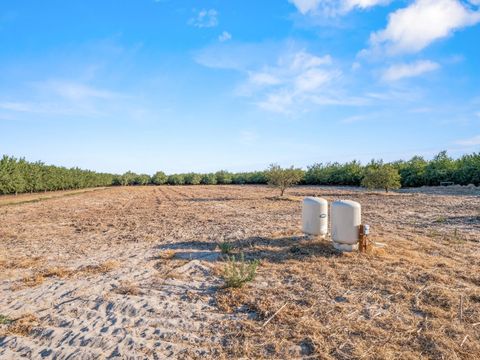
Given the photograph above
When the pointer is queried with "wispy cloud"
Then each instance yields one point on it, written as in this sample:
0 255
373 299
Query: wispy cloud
334 7
62 97
353 119
224 36
205 19
294 77
473 141
75 91
400 71
284 79
413 28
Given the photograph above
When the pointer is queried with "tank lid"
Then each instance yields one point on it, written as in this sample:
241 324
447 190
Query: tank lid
315 200
349 203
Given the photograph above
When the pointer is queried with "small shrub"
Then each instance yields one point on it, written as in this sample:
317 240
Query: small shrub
441 219
237 273
22 326
283 178
5 320
226 247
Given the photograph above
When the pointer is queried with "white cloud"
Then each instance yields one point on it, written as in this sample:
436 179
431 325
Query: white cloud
279 102
312 79
205 19
411 29
263 78
75 91
295 77
473 141
353 119
334 7
363 4
61 97
400 71
306 6
224 36
286 80
16 106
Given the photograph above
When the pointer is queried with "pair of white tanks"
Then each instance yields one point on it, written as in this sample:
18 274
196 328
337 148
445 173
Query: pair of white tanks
345 221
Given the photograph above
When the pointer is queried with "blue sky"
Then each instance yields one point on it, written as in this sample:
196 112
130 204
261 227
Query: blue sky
179 86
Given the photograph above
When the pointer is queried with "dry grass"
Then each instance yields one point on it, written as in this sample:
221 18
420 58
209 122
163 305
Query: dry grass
166 254
417 298
40 275
127 288
101 268
19 263
20 326
8 200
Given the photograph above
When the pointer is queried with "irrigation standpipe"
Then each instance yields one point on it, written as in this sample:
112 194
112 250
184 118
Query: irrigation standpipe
363 230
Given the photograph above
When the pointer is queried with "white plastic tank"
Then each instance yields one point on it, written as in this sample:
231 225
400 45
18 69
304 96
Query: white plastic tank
346 220
315 216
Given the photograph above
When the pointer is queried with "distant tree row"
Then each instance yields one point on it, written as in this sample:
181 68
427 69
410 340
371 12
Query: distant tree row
19 176
220 177
415 172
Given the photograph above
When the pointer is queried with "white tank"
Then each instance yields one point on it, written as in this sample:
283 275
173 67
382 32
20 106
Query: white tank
315 216
346 219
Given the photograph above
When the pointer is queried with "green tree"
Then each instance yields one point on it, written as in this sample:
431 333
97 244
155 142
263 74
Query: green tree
379 176
192 179
209 179
142 179
283 178
159 178
441 169
11 179
223 177
468 170
128 178
176 179
412 172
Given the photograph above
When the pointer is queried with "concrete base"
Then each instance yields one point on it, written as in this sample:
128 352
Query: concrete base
345 247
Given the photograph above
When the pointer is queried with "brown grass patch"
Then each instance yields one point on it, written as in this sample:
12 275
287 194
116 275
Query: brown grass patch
39 276
166 254
20 326
101 268
19 263
127 288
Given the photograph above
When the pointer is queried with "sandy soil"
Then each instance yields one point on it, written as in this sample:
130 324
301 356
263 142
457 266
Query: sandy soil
136 273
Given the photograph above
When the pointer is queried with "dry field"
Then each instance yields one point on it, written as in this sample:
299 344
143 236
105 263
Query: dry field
136 273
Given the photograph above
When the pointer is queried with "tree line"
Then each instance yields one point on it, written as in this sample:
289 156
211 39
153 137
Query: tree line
19 175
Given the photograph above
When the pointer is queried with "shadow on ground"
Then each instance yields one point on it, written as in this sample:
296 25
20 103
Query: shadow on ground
262 248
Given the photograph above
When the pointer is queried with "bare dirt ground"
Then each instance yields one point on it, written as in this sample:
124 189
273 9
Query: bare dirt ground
136 273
